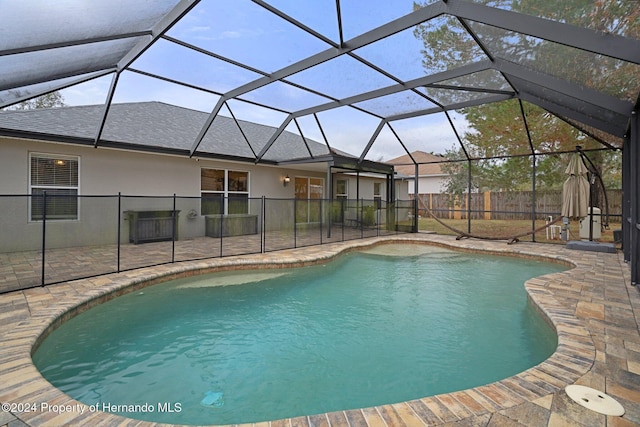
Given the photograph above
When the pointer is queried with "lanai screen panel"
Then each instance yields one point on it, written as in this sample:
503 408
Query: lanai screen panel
445 44
490 80
607 119
27 68
447 97
361 67
550 133
407 61
173 61
359 17
398 103
12 95
511 135
617 18
285 97
319 15
44 41
432 133
565 62
135 87
245 32
27 24
391 60
613 140
341 77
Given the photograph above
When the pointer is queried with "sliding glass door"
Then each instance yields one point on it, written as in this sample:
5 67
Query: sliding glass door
309 193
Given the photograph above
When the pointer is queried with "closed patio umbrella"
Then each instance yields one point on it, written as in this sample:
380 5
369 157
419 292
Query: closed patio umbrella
575 191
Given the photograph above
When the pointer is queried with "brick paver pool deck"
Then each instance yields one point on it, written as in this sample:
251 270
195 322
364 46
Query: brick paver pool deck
592 306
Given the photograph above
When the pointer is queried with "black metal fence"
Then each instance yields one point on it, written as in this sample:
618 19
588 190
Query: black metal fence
55 237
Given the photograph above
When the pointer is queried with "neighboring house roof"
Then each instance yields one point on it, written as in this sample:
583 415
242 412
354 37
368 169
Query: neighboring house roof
405 166
157 126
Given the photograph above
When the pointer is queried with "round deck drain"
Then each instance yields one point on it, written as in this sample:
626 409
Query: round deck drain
595 400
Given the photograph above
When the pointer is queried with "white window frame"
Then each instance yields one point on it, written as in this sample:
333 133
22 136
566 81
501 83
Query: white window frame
309 178
344 195
377 198
308 200
53 187
225 192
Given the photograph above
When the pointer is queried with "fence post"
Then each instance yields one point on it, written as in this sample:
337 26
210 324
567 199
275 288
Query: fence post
173 230
343 218
119 227
362 218
321 215
430 202
469 200
329 217
487 205
295 225
263 238
222 225
44 233
533 192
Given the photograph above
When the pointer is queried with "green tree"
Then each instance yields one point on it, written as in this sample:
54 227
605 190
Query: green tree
497 137
458 173
49 100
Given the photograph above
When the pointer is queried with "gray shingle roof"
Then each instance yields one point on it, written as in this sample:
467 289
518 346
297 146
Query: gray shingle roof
160 126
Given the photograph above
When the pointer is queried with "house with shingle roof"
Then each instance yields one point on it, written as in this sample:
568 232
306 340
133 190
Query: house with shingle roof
431 178
146 149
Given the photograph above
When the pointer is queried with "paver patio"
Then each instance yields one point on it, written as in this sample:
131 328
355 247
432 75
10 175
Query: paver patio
20 270
593 307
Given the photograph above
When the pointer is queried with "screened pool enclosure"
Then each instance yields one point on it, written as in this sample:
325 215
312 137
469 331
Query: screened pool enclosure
353 81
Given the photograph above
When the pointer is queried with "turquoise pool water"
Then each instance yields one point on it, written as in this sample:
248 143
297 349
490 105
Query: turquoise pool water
395 324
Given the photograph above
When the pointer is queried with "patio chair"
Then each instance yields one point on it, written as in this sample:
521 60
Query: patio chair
552 230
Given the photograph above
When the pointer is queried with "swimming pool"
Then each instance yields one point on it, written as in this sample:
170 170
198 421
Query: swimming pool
225 354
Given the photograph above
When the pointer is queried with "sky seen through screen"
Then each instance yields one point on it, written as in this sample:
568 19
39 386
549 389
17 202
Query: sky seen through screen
255 37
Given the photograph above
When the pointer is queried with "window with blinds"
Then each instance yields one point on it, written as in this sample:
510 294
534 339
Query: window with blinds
57 176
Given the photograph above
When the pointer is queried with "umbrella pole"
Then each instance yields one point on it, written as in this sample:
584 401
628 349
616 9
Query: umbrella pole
590 213
594 174
592 178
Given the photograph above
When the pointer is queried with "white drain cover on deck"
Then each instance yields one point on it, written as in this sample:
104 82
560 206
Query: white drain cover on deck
594 400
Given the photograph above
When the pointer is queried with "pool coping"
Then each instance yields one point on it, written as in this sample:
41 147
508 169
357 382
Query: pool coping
21 383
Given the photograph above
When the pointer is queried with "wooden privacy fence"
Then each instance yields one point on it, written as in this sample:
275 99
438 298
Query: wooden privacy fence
514 205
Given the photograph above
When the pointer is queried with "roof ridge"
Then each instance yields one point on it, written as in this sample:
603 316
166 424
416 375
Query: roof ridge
84 118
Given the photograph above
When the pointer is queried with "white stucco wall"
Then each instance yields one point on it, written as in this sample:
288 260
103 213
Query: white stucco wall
104 171
428 184
365 190
402 190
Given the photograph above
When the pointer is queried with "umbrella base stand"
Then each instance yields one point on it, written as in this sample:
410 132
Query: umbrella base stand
584 245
